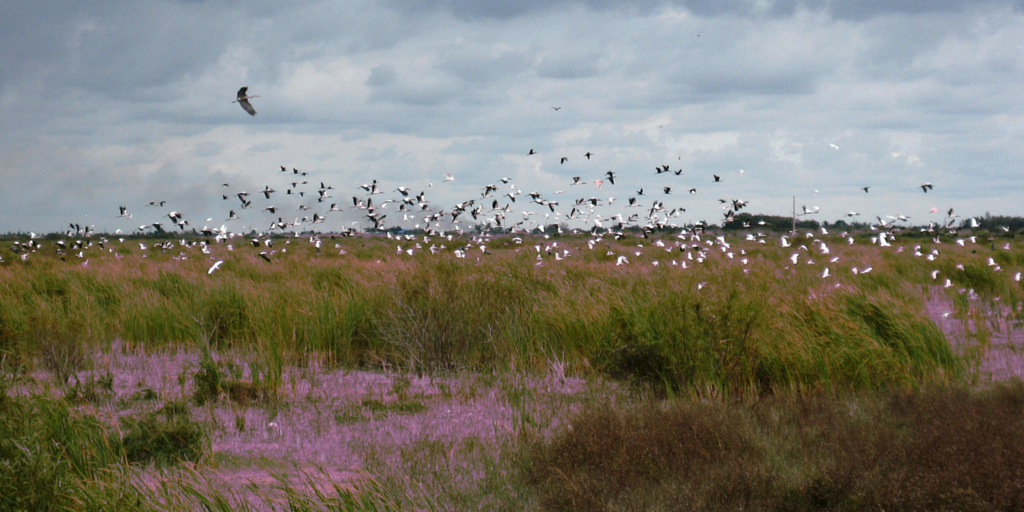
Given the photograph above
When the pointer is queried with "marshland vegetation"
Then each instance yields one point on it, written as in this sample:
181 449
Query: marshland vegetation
501 377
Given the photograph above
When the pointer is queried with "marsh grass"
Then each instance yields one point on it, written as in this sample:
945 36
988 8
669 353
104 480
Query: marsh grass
756 329
312 489
935 449
166 436
759 386
94 390
55 457
214 379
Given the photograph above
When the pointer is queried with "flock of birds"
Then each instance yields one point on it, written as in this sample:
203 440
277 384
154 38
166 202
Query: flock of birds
499 210
499 207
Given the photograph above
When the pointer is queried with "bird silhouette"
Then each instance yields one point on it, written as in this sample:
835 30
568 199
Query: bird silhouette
243 100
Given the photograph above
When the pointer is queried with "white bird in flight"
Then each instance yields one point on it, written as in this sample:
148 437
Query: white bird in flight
215 267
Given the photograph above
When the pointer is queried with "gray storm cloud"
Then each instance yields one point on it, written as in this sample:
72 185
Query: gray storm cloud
107 104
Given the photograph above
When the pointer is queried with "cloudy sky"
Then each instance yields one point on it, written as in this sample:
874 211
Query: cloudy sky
107 104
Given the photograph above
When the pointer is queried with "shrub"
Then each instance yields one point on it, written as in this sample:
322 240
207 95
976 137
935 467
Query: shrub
940 448
649 458
166 436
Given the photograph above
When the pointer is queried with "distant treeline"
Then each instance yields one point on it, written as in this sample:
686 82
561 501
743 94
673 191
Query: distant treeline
997 223
768 222
989 225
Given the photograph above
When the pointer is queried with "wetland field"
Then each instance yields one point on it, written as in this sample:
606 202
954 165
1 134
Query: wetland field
674 370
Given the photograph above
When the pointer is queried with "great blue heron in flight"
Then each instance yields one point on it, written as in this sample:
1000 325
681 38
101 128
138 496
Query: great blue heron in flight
243 100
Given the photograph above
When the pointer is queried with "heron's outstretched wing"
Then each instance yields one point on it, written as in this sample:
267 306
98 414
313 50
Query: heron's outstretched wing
242 93
247 107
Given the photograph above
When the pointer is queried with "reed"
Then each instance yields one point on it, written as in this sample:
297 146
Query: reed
718 327
939 448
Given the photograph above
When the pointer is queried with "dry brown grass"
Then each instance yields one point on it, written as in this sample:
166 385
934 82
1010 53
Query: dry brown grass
936 449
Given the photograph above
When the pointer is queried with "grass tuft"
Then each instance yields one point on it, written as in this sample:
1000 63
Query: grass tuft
166 436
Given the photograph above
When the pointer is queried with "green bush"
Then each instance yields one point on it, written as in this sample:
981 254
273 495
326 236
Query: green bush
165 437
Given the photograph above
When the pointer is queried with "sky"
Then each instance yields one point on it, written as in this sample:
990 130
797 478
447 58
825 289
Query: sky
108 104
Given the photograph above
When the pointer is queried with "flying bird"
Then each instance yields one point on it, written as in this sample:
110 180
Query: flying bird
243 100
926 187
215 267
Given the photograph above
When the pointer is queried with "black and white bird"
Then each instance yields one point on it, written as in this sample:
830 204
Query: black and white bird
243 100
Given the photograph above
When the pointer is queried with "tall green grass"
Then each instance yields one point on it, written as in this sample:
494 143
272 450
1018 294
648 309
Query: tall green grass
711 328
58 457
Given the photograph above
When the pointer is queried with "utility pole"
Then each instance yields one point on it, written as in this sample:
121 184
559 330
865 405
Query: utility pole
794 217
